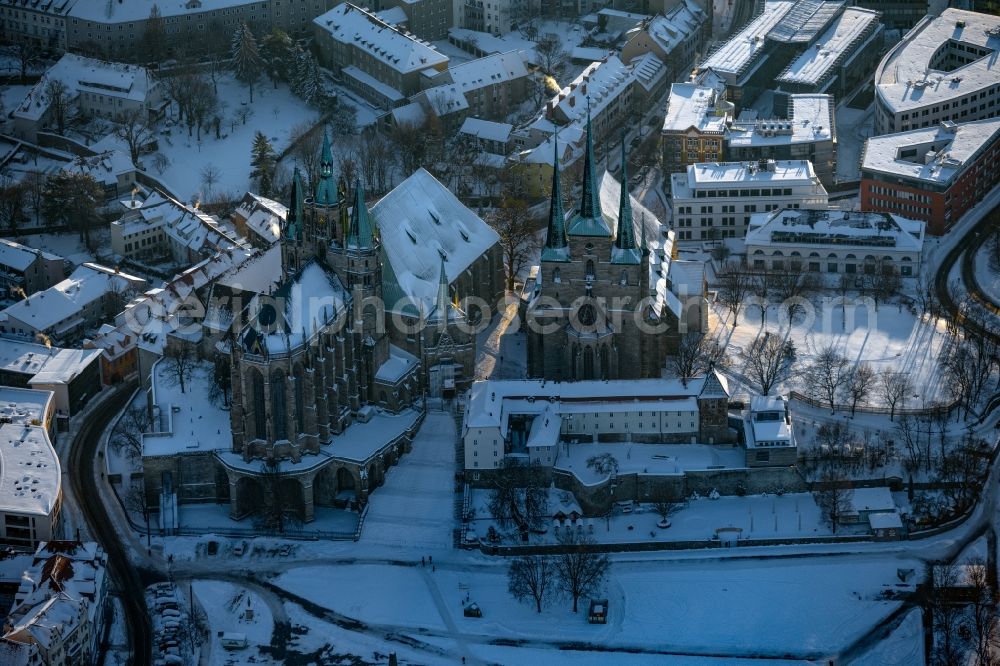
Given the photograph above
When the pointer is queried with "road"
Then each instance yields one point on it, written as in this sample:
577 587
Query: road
128 579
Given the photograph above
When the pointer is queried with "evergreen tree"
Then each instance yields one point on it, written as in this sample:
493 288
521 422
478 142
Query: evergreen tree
154 37
263 160
72 198
247 63
306 81
276 52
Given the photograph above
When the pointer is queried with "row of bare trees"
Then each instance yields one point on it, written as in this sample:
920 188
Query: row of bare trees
574 572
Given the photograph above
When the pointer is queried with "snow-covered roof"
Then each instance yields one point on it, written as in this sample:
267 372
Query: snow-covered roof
676 25
810 120
489 70
597 86
711 175
834 228
81 74
490 401
885 520
43 310
64 367
647 70
489 43
739 53
409 114
30 473
933 154
764 429
443 99
24 406
138 10
872 499
420 222
692 105
393 47
804 21
393 15
25 358
840 41
908 76
589 53
364 78
186 226
20 257
397 366
105 167
487 129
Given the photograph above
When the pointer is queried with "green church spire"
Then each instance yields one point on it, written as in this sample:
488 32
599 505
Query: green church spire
360 234
555 239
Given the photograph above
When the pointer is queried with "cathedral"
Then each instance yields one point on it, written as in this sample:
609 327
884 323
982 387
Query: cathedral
330 370
601 306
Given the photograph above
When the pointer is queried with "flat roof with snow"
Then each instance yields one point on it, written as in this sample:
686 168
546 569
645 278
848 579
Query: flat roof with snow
919 71
24 406
709 175
839 42
691 105
835 229
30 473
934 155
739 53
810 120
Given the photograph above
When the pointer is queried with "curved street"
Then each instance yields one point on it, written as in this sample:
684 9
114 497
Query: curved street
129 580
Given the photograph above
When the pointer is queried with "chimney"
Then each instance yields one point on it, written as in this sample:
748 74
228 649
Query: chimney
572 101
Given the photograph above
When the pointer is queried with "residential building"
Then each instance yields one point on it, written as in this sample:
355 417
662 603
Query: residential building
694 126
96 87
538 420
934 174
157 228
89 296
60 609
676 39
72 375
488 137
30 471
119 355
945 68
897 14
496 17
492 86
259 219
25 270
834 241
843 56
808 132
427 19
113 169
767 433
39 24
713 201
381 62
602 92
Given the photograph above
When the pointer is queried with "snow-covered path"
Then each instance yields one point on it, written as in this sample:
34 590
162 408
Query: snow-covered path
414 507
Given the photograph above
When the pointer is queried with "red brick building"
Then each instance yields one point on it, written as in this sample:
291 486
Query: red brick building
934 174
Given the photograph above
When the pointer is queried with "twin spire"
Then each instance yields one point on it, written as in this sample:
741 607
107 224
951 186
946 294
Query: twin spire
326 189
588 220
360 233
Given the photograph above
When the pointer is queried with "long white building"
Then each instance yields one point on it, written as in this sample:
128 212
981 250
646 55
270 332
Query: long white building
946 68
834 241
716 200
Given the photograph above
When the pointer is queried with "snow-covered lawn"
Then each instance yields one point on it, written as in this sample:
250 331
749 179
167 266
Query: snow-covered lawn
226 608
759 516
904 646
889 338
414 507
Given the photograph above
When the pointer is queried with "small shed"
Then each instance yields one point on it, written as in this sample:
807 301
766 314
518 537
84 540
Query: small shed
867 501
472 610
598 613
886 526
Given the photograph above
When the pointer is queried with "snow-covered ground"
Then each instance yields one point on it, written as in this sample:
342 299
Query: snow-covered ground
987 277
889 338
503 351
904 646
758 516
233 609
68 245
414 507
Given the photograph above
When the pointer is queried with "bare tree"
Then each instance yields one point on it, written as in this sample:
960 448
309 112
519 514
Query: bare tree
882 281
604 464
33 186
828 374
519 496
26 55
128 431
58 98
665 508
768 360
221 386
160 162
580 570
947 615
519 239
835 499
893 388
12 198
307 140
532 577
180 363
695 355
861 380
985 621
736 283
550 52
909 436
210 175
135 501
135 130
281 508
792 288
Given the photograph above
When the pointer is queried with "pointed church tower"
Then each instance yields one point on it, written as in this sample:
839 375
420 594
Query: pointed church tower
588 220
624 250
326 188
293 254
556 248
